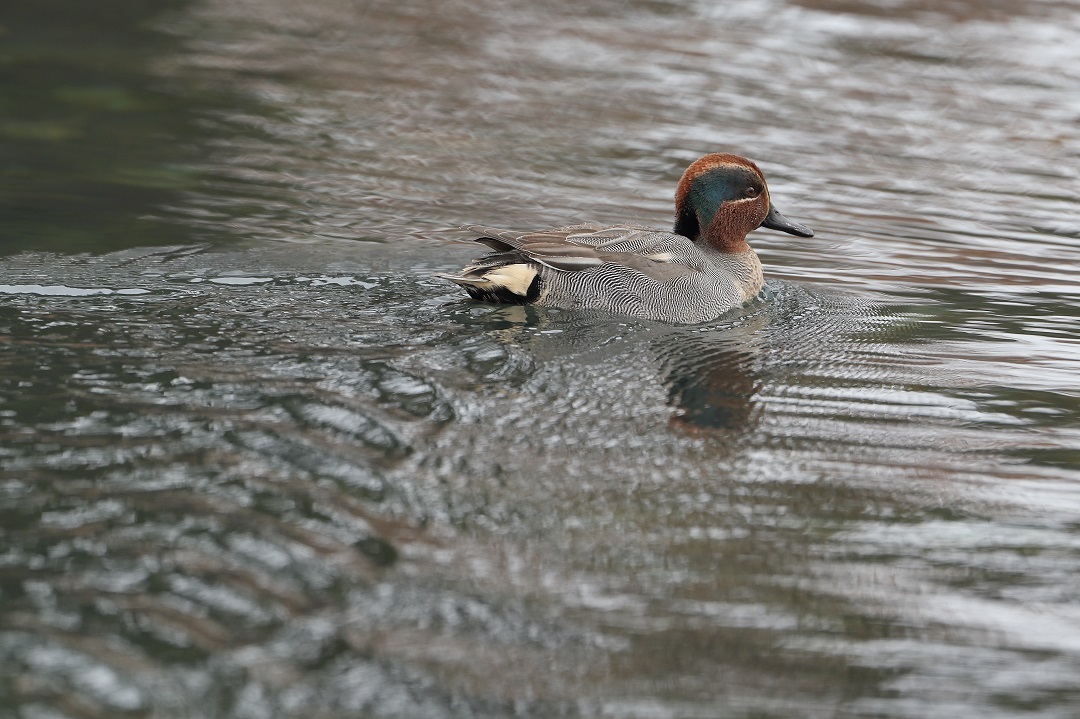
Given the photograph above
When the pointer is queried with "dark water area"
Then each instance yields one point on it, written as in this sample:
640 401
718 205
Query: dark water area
257 461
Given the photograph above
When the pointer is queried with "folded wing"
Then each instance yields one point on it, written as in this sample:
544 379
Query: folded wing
512 273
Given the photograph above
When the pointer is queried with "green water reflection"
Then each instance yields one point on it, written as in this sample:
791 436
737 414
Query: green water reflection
94 146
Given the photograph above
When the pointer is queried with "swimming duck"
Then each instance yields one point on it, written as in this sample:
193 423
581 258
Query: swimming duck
693 274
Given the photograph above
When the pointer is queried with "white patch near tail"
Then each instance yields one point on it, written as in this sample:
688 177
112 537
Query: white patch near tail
507 283
512 278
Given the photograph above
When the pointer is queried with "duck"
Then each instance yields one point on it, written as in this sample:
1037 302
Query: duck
700 270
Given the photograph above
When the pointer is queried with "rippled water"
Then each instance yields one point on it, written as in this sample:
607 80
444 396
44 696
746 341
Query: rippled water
256 461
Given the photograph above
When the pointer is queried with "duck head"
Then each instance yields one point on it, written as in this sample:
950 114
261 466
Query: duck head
721 198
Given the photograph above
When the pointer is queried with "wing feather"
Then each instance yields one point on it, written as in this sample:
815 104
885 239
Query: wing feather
659 255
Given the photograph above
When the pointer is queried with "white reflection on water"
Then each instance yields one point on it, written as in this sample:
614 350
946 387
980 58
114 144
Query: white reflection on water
64 291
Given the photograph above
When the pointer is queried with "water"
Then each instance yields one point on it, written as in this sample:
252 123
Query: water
256 461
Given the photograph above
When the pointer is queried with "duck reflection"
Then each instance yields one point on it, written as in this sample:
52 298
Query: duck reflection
709 375
713 377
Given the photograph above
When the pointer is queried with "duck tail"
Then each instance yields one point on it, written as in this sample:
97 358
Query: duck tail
515 284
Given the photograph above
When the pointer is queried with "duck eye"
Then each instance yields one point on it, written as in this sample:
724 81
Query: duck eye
751 191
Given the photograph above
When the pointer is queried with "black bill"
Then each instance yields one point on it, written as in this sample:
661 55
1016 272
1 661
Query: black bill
775 221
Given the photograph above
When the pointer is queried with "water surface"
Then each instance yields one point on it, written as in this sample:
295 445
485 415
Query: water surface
255 460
